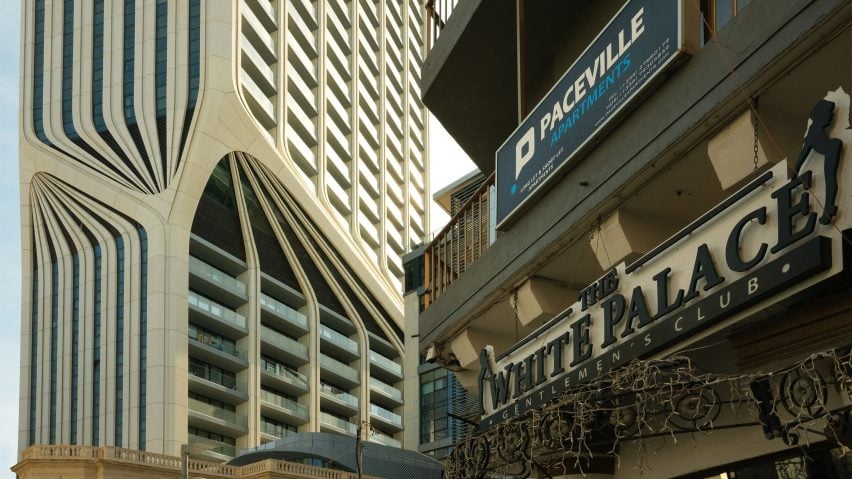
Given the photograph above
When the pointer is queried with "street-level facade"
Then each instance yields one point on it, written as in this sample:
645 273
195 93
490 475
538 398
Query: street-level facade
668 290
215 197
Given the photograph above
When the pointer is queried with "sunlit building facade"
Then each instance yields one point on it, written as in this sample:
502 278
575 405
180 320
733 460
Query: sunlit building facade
215 199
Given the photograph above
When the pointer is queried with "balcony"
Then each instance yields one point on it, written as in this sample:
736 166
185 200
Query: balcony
332 423
289 319
219 448
466 237
216 419
212 315
385 367
211 382
385 394
215 283
388 418
288 349
337 400
337 343
282 377
216 351
274 430
384 439
338 372
282 408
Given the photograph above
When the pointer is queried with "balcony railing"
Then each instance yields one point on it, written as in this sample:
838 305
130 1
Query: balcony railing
437 14
202 407
216 310
338 423
338 339
274 429
219 448
215 375
338 394
456 247
218 344
386 363
283 311
283 372
387 389
284 403
384 439
388 416
284 343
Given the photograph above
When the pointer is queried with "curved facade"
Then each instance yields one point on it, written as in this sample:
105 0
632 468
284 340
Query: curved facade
215 196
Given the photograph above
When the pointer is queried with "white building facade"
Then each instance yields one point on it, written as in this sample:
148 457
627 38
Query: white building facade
215 199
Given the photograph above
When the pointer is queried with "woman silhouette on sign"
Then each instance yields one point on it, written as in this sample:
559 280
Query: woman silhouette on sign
817 140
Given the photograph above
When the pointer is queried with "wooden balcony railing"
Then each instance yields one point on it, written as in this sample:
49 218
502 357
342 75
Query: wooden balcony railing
465 238
437 14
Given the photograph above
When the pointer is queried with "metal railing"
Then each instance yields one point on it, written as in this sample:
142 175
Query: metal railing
466 237
437 14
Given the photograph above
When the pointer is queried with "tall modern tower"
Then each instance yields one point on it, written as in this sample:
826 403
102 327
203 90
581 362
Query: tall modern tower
215 198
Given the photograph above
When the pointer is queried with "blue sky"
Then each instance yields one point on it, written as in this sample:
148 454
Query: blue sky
448 163
10 241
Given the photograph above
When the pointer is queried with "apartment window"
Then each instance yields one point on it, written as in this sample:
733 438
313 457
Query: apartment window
434 422
129 59
98 66
119 342
75 344
33 354
54 347
143 336
68 69
227 444
715 14
161 55
38 73
96 353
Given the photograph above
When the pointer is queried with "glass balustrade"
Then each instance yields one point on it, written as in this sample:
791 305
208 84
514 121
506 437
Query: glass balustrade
283 311
216 310
284 372
202 407
338 339
274 429
216 276
338 367
218 447
385 363
388 416
215 375
384 439
338 423
217 343
339 394
277 339
385 388
284 403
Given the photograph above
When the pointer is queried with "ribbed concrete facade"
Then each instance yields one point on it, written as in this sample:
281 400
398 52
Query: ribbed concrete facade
215 197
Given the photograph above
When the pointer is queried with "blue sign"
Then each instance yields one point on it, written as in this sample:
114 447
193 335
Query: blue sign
638 43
